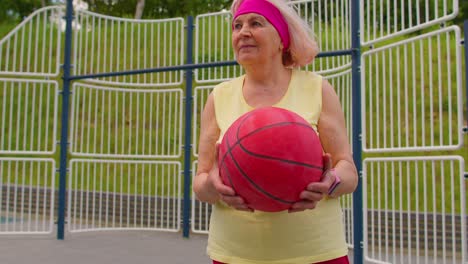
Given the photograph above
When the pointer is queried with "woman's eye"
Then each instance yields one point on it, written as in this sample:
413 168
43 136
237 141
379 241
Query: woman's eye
256 23
237 26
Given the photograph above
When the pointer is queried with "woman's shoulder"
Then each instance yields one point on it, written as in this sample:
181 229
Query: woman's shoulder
307 79
228 85
307 74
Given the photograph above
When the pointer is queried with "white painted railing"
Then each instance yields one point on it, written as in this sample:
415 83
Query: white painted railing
28 116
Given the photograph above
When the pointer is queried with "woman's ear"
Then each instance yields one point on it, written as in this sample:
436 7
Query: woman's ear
287 59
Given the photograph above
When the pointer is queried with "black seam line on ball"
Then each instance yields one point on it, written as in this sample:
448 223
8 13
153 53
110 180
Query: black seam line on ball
239 142
250 180
222 163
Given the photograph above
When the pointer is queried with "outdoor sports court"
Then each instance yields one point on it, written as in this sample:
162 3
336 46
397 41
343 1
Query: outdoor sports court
131 149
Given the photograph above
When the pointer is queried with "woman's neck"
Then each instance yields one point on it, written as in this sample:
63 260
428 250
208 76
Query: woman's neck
265 86
265 75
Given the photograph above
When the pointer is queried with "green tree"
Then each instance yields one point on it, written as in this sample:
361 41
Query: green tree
463 14
15 10
157 8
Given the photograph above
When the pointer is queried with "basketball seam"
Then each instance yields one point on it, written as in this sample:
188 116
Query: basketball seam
279 159
248 178
259 130
239 142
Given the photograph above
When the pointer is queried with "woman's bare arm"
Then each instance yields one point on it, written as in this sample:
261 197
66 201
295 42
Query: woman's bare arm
209 134
334 139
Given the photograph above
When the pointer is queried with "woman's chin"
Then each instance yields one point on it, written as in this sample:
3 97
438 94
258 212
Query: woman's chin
246 59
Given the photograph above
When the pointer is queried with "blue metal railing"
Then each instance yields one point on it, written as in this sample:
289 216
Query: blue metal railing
65 123
358 219
188 130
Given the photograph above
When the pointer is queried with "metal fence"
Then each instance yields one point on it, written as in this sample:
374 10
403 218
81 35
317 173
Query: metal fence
29 116
128 146
124 194
416 208
414 94
27 195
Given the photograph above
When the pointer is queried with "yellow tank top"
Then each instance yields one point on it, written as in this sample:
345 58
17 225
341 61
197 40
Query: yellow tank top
238 237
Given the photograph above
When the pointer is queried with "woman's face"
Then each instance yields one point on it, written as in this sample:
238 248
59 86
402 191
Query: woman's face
254 39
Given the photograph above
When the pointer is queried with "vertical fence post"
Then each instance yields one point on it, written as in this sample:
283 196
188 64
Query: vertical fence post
358 223
188 130
465 41
64 120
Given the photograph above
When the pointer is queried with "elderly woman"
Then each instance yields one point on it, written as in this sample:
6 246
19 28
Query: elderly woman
270 42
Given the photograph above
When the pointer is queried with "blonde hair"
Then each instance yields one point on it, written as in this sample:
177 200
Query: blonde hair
302 48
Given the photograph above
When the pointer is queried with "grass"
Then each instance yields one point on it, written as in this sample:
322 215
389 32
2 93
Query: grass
5 28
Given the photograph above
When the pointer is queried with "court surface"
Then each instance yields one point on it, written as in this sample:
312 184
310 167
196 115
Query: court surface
105 248
123 247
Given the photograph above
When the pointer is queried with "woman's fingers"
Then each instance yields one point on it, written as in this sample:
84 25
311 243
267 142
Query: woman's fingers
319 187
224 189
302 205
311 196
236 202
315 191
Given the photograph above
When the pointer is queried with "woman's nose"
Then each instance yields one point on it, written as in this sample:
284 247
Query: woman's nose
245 30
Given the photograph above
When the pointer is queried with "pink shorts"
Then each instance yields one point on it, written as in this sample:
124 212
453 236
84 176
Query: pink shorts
342 260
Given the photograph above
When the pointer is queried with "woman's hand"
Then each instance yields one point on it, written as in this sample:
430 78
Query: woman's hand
315 191
224 192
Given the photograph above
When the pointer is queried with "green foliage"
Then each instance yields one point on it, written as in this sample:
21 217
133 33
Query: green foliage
158 8
463 14
15 10
6 27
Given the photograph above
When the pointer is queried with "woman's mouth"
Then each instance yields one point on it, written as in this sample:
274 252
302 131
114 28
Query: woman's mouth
246 47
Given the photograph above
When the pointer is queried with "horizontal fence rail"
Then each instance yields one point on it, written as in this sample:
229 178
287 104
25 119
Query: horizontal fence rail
124 195
27 195
110 44
118 122
412 94
416 209
382 20
28 116
33 48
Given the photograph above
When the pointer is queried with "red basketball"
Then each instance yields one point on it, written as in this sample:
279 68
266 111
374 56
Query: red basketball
269 156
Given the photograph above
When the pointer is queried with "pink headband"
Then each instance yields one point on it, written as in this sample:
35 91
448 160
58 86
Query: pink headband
270 12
